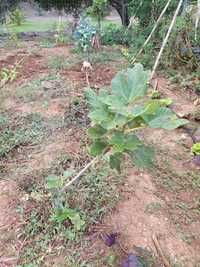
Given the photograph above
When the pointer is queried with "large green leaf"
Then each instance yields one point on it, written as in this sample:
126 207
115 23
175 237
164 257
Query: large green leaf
53 182
92 99
97 148
149 107
116 104
69 214
121 142
143 157
96 132
130 84
164 118
101 115
115 161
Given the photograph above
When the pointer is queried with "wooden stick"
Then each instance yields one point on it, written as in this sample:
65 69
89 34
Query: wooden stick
87 78
79 174
152 32
166 38
160 252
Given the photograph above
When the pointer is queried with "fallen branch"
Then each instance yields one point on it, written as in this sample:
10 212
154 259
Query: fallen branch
160 252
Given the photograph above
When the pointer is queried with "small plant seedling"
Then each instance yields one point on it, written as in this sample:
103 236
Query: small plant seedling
61 211
155 94
196 149
8 74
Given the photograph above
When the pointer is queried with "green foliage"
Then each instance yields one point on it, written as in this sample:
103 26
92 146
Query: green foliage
57 63
113 34
17 17
61 212
83 34
98 10
147 11
186 52
98 193
196 149
182 41
8 74
60 37
116 117
155 94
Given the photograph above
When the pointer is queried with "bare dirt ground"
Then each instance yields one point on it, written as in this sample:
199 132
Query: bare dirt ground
46 102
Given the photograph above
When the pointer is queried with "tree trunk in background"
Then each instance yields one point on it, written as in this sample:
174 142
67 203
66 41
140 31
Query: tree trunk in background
122 8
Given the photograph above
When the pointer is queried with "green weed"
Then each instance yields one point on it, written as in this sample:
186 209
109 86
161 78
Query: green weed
104 57
29 92
61 63
98 194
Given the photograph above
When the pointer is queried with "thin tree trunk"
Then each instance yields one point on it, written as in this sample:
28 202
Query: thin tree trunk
122 9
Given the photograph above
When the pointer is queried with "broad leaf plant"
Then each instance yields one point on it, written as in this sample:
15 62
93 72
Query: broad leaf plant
118 114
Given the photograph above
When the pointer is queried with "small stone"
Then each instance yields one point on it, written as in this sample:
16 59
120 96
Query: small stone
47 85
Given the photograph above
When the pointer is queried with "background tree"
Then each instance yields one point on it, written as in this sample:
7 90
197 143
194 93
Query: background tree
98 10
122 7
74 7
148 11
68 6
6 6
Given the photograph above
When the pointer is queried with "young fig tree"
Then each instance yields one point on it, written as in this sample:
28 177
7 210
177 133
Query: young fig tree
117 116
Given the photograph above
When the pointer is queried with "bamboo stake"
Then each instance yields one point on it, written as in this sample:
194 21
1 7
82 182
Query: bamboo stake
152 32
197 19
166 39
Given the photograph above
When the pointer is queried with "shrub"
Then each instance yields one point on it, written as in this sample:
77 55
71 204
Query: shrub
17 17
115 35
84 33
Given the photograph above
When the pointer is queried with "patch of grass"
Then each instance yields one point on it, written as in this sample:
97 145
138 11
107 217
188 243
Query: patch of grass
3 120
95 195
153 207
186 237
47 43
77 113
30 132
106 23
104 57
29 92
33 25
196 182
60 63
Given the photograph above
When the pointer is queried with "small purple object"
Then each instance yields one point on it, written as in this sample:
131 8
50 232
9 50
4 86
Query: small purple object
110 239
196 160
132 261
